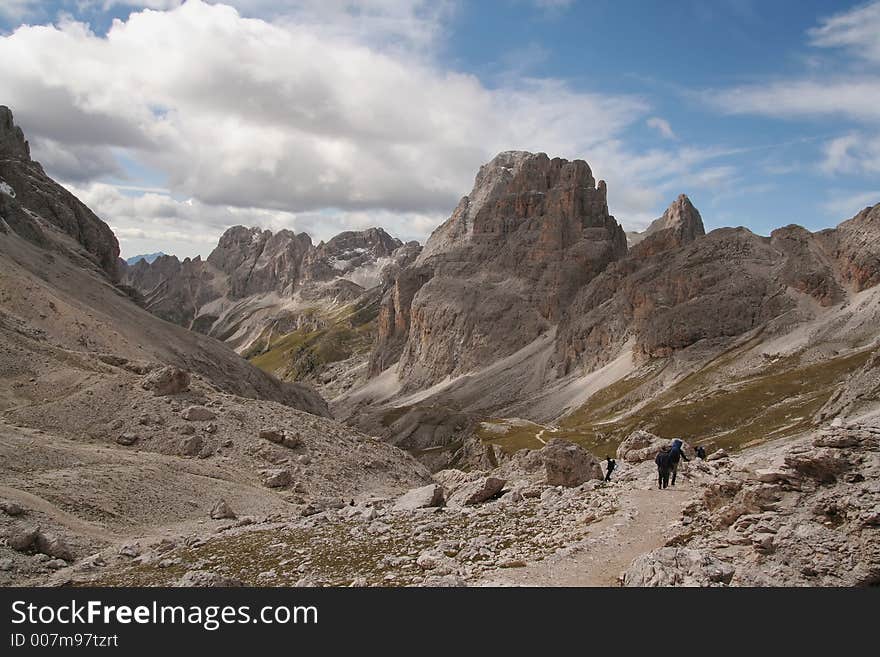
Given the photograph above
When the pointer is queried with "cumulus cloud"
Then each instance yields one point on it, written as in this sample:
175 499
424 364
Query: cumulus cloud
662 126
290 121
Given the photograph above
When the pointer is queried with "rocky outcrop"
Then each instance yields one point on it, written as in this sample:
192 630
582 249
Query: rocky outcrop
807 516
13 145
856 247
26 192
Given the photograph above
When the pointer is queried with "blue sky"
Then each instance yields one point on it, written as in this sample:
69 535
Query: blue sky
175 122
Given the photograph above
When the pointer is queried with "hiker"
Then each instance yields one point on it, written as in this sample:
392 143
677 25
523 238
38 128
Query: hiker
701 452
667 463
610 467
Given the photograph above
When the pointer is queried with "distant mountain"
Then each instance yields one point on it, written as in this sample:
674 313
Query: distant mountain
149 257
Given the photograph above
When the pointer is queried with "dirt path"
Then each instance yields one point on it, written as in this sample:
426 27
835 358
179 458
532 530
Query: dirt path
610 545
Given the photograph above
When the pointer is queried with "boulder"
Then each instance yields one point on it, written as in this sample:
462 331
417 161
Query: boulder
567 464
190 446
672 566
20 538
281 437
718 454
198 414
420 498
53 546
278 478
130 550
221 511
640 446
477 491
167 380
127 439
11 508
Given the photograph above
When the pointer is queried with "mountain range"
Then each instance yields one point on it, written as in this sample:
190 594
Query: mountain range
338 394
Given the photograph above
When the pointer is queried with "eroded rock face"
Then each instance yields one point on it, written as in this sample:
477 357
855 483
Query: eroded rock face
715 287
856 245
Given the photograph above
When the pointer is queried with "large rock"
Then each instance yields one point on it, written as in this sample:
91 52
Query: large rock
277 478
567 464
420 498
54 546
167 380
198 414
222 511
21 538
640 446
671 566
477 491
11 508
282 437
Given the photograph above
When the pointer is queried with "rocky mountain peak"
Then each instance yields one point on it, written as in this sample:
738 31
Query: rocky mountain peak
514 192
13 145
680 216
680 224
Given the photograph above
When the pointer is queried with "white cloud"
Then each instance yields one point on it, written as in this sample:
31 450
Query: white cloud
662 126
296 119
851 93
855 98
852 153
856 30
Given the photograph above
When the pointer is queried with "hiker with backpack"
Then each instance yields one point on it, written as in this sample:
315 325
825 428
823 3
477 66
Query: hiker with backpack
610 467
667 460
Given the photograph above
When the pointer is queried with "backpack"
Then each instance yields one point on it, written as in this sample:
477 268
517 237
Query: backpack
662 458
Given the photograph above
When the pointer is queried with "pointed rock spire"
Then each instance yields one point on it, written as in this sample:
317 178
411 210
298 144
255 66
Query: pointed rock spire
13 145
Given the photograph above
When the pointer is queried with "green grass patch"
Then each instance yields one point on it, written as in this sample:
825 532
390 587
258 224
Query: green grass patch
781 401
304 353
